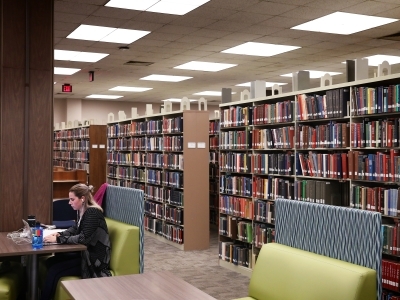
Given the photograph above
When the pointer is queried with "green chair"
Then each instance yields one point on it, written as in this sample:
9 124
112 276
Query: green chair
11 282
125 253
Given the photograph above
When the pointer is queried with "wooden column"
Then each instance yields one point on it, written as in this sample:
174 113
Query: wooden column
26 111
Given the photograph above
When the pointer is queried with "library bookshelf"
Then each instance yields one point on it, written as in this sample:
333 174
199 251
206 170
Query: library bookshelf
213 131
166 155
82 148
336 145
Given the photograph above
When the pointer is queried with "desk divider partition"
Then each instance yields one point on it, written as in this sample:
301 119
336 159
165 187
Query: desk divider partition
343 233
126 205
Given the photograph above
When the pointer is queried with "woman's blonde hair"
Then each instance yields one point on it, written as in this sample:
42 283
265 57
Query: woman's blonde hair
82 190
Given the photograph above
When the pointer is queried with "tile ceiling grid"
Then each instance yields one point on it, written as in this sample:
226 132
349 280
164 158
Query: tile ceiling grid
204 32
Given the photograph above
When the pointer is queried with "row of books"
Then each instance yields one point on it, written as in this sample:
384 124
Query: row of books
331 105
213 127
378 133
271 188
368 100
213 187
214 157
236 206
264 211
166 143
119 172
273 164
163 194
76 155
390 275
171 125
328 165
213 170
238 139
167 213
272 113
214 142
80 145
125 183
391 239
321 191
71 164
381 199
263 234
167 178
273 138
331 135
237 254
236 116
236 185
170 232
74 133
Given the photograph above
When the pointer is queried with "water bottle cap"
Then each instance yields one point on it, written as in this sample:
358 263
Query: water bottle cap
37 224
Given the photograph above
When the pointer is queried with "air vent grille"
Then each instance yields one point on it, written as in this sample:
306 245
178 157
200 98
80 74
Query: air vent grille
138 63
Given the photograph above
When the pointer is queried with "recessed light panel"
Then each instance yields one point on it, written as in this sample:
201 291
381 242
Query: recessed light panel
174 7
78 56
65 71
315 74
344 23
259 49
107 34
169 78
204 66
95 96
129 89
177 100
376 60
267 84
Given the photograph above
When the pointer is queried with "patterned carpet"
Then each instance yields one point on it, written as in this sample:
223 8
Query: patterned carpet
199 268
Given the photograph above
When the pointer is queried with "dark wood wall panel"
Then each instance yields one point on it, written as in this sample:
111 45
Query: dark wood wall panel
26 111
98 136
40 173
12 149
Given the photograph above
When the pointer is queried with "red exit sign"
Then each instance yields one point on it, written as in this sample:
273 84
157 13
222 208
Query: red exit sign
67 88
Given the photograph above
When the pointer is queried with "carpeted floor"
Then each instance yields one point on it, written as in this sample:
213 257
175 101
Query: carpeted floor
199 268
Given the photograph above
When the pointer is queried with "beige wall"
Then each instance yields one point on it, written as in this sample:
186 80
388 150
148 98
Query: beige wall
99 110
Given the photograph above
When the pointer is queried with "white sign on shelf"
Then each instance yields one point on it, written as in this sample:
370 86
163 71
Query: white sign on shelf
201 145
192 145
94 146
102 146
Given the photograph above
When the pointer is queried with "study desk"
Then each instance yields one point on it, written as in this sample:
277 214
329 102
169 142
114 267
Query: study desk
149 285
9 248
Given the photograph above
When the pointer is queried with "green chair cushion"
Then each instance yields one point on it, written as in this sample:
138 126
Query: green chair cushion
11 282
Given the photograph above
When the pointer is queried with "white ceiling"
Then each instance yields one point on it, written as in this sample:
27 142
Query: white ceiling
203 33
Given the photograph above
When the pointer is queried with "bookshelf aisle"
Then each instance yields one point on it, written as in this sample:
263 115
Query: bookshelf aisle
166 155
82 148
214 170
335 145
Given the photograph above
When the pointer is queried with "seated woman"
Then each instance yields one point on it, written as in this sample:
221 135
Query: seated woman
91 231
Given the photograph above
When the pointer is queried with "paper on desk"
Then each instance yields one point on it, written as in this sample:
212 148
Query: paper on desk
47 232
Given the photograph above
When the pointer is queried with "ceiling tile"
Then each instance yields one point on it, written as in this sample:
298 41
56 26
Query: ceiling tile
370 8
248 17
199 40
227 25
102 21
146 16
68 27
260 29
244 37
270 8
233 4
151 42
118 13
177 29
164 36
210 12
74 7
211 33
186 20
336 5
68 17
307 13
284 22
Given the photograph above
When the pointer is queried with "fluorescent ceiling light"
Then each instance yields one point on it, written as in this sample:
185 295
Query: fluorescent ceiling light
177 100
267 84
94 96
204 66
130 89
315 74
78 56
169 78
344 23
107 34
65 71
174 7
377 59
259 49
210 93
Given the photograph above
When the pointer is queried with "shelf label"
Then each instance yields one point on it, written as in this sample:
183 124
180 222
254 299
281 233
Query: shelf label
201 145
192 145
94 146
102 146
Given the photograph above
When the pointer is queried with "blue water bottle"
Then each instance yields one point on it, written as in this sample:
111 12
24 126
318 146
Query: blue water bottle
37 237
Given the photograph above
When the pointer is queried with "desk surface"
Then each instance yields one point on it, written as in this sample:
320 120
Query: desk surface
9 248
146 286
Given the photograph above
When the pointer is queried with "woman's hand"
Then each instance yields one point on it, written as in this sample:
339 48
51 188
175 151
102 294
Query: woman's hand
51 238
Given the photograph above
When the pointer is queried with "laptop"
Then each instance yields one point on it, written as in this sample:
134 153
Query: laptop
27 233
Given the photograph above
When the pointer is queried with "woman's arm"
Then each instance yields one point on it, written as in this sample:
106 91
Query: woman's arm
89 224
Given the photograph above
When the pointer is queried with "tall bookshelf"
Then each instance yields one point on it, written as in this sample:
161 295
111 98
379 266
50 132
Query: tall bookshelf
82 148
334 145
165 155
213 131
